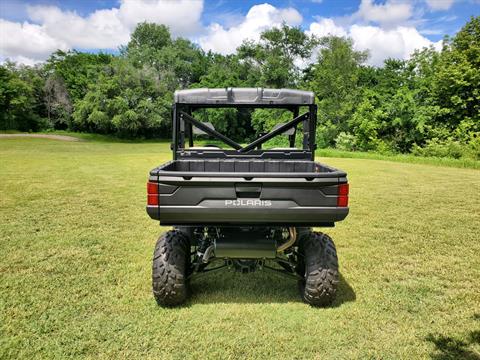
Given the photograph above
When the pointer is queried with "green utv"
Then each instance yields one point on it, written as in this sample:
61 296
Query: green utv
245 207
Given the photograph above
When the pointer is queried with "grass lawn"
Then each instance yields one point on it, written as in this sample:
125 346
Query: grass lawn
76 247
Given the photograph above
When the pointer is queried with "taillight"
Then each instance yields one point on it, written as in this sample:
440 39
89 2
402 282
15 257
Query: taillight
342 199
152 193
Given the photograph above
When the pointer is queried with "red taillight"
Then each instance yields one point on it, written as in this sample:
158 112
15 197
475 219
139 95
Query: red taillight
343 189
152 193
342 199
152 188
152 200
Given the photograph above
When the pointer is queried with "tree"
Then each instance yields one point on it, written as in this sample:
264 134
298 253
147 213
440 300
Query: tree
276 61
132 96
179 62
76 70
19 98
57 101
334 78
126 101
228 71
278 55
456 82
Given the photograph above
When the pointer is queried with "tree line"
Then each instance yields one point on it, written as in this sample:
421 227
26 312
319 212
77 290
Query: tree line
427 105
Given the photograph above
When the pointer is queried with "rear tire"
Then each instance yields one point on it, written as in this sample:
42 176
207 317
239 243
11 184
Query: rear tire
319 266
171 261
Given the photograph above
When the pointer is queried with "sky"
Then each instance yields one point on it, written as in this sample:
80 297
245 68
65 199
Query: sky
31 30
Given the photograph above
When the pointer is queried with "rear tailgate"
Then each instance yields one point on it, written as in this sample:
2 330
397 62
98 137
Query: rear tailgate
199 198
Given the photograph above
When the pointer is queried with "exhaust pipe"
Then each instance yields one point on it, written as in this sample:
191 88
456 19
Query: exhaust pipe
245 243
290 241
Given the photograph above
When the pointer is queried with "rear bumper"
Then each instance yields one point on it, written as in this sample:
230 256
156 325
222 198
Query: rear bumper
294 216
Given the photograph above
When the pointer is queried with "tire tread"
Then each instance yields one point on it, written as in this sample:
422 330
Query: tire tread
321 269
169 267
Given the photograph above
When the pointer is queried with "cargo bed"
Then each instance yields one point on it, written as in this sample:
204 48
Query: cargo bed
247 192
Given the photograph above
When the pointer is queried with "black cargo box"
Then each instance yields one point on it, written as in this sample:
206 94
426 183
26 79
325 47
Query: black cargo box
238 191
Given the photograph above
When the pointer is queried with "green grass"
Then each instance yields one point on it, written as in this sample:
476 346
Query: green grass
405 158
328 153
76 247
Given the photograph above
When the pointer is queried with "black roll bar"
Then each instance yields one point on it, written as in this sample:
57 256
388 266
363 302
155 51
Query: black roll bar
183 122
275 132
237 146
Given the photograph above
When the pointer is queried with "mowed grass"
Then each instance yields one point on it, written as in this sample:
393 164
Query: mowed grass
76 247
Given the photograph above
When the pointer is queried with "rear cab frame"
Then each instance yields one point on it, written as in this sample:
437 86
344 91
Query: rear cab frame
246 185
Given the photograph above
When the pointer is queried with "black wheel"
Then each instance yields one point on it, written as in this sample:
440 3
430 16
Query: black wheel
318 264
171 261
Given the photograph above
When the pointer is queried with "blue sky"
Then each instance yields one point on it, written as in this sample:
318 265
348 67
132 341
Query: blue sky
30 30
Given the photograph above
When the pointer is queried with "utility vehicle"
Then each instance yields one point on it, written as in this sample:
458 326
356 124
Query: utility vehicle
241 206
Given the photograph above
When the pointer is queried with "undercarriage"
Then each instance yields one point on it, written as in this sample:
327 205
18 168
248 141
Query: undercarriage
244 249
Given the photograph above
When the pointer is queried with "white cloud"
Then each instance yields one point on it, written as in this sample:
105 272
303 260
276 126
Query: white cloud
258 19
182 16
325 27
439 4
102 29
51 28
399 42
26 43
109 28
389 14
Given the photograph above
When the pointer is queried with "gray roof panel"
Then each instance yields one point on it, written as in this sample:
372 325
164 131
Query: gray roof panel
245 96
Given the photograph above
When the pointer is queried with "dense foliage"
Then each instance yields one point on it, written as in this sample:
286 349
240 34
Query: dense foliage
428 105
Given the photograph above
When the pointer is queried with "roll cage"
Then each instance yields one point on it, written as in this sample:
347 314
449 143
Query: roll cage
187 101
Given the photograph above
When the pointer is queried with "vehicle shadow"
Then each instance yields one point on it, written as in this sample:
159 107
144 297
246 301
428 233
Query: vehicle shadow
449 347
257 287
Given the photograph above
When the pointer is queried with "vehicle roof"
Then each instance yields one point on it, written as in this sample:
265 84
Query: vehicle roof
244 96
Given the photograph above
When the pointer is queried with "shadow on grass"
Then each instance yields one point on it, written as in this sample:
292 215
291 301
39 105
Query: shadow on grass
258 287
449 347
